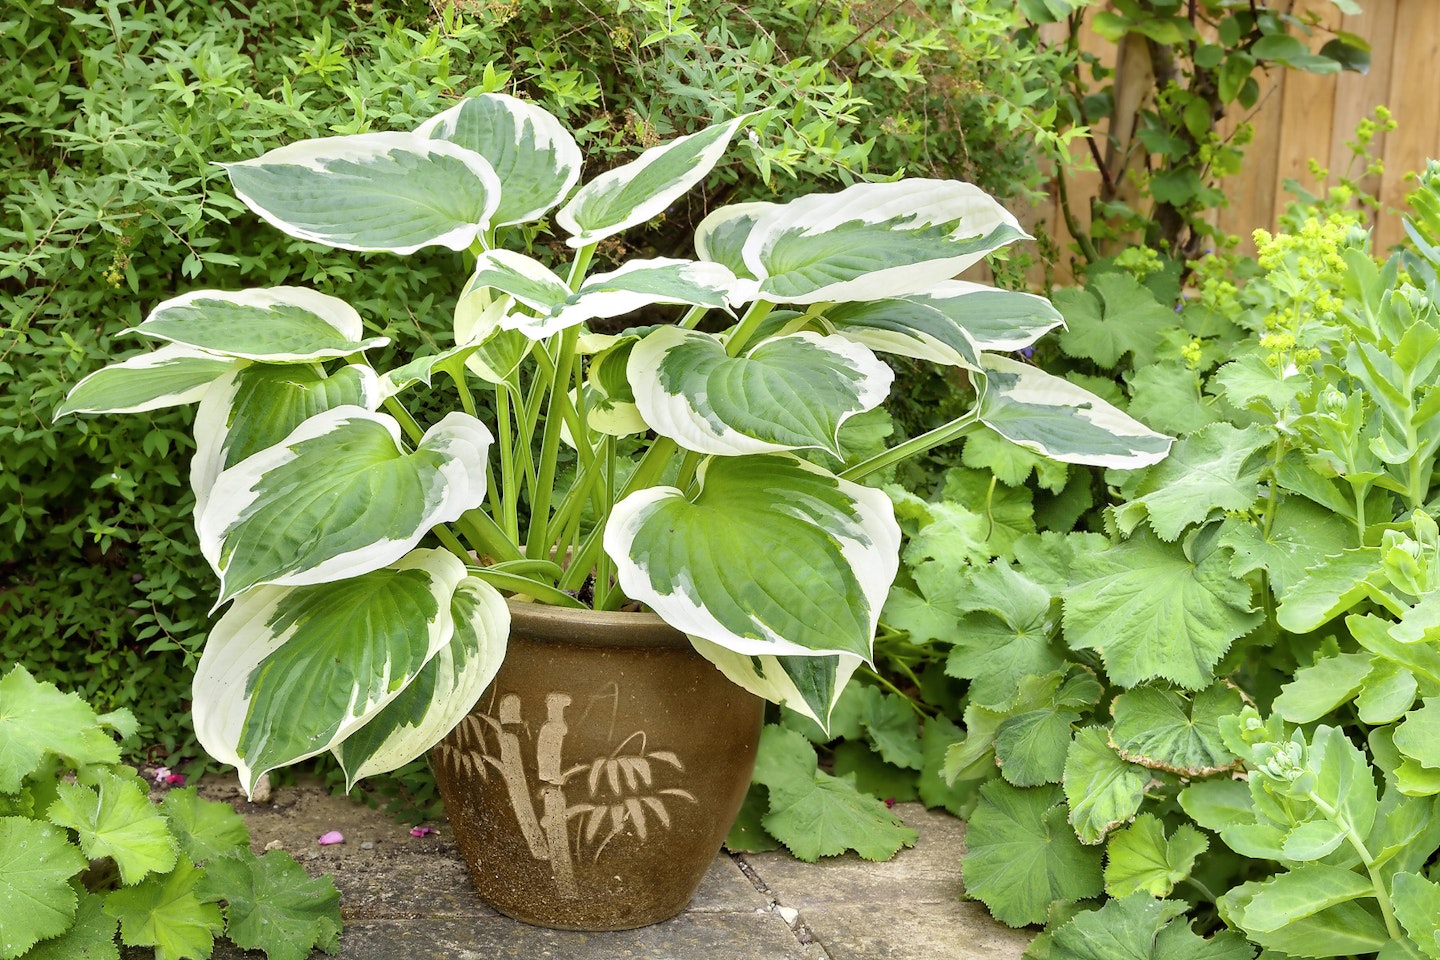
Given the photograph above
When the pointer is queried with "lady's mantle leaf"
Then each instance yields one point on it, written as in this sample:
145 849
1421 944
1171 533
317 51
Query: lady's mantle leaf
1103 788
1168 730
36 719
1030 747
1024 856
338 497
167 912
786 393
1153 611
115 819
1004 640
1140 858
91 936
772 556
1112 316
205 828
817 815
1140 927
1215 469
36 899
274 905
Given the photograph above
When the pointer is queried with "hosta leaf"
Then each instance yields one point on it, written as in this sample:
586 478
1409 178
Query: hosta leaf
1323 686
337 497
498 352
905 328
1330 588
167 912
1023 856
204 828
721 236
289 672
1168 730
91 936
1104 789
1140 858
115 819
637 284
441 694
532 154
646 186
995 320
817 815
808 685
272 904
36 719
786 393
1417 905
1139 927
167 377
372 191
524 278
1054 417
1213 470
36 899
1153 612
771 556
872 241
275 324
256 405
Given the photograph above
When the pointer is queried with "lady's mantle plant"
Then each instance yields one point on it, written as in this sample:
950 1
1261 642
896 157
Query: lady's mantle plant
84 853
316 484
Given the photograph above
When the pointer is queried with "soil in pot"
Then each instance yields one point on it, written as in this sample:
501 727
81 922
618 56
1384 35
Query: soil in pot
595 780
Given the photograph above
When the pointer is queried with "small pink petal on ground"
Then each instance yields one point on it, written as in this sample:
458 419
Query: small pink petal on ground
161 774
421 831
334 836
175 780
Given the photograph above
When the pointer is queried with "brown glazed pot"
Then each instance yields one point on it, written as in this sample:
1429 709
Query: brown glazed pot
593 783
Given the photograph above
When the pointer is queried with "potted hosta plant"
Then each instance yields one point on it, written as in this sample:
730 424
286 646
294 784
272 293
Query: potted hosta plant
374 559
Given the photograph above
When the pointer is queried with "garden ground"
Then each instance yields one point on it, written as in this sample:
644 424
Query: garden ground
408 898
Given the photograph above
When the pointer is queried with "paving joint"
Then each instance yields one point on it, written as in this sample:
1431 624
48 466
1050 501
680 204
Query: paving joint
790 915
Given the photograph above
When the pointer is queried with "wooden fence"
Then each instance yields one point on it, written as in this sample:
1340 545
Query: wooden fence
1300 116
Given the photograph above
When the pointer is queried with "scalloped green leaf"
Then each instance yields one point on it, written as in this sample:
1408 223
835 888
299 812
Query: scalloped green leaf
36 899
337 497
272 904
787 393
1139 927
441 694
533 155
115 819
36 719
643 188
1215 470
770 556
1064 422
168 377
1140 858
1103 788
274 324
91 936
167 912
289 672
1169 730
203 828
372 191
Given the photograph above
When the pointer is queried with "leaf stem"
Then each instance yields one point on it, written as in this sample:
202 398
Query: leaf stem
945 433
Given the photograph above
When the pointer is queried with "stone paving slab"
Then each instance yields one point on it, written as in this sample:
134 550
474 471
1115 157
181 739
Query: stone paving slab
409 898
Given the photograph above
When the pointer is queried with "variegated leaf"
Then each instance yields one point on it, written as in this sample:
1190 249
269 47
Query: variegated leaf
535 157
289 672
257 405
441 694
524 278
477 321
274 324
785 393
372 191
606 415
644 187
1064 422
338 497
996 320
808 685
721 236
639 283
772 556
167 377
906 328
873 241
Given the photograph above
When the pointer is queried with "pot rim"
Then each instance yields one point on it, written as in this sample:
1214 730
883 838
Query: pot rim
544 623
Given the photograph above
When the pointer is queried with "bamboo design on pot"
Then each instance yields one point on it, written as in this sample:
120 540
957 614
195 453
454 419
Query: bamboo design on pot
619 787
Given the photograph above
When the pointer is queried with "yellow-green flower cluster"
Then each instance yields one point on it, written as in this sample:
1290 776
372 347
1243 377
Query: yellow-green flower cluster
1306 270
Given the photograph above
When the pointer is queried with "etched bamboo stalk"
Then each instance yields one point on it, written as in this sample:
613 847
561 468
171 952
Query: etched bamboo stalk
549 751
512 769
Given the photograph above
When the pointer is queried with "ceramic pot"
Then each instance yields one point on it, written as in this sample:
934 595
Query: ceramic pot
593 783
